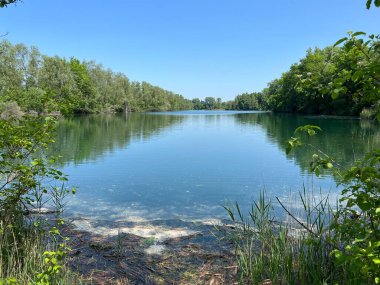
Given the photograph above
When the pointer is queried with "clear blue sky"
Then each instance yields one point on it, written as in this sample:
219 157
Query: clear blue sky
197 48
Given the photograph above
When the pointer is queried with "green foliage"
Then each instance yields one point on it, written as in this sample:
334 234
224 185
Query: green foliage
334 246
24 172
46 85
37 258
20 166
338 80
53 264
309 130
261 253
348 74
23 168
270 252
361 77
248 101
358 220
209 103
84 100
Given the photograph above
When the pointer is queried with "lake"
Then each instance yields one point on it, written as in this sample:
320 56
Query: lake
187 165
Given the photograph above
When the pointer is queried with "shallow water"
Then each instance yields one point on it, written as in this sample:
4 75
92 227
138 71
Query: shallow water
187 165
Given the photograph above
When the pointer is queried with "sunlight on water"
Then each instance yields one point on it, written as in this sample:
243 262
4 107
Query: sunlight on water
187 165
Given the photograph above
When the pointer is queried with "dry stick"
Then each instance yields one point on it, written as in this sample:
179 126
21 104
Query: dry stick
298 221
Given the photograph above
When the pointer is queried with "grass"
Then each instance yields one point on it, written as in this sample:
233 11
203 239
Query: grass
272 252
32 249
33 253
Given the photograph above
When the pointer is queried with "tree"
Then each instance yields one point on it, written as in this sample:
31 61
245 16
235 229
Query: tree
46 84
210 103
84 99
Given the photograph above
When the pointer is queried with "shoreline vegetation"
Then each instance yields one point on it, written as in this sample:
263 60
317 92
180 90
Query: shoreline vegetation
339 80
332 246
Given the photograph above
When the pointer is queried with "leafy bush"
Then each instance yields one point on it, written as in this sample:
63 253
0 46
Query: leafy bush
356 223
339 245
23 173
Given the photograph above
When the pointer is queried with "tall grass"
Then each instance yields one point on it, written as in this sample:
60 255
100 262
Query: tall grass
269 251
32 251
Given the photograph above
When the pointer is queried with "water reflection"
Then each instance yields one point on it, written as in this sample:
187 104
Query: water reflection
345 140
185 165
86 138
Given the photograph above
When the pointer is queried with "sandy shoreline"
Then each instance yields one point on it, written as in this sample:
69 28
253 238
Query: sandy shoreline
151 252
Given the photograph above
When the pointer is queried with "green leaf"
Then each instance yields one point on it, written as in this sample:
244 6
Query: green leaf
310 132
335 93
368 4
339 81
364 205
376 260
358 34
317 171
340 41
357 75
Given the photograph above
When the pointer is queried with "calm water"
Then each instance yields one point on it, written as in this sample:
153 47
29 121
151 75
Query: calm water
188 164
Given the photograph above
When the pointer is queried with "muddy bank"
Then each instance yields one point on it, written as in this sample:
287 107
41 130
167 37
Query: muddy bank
154 252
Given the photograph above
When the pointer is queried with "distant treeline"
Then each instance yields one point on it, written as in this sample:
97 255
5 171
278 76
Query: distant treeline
248 101
35 82
334 80
209 103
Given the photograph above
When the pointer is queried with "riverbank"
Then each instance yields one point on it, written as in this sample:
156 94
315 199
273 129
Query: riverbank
158 252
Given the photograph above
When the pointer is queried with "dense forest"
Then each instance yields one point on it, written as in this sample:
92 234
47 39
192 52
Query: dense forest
31 81
248 101
338 80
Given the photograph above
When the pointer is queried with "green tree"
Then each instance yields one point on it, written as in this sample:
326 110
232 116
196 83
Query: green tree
84 102
210 103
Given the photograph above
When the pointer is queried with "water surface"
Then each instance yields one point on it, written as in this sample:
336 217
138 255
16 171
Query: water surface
186 165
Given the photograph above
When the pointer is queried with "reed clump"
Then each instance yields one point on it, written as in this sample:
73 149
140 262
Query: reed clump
324 244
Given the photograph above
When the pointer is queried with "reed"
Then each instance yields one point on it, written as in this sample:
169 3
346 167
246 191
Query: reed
273 251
